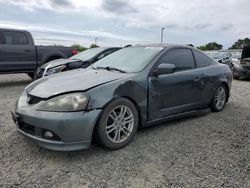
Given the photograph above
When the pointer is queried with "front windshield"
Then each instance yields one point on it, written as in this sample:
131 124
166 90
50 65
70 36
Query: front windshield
216 55
132 59
87 54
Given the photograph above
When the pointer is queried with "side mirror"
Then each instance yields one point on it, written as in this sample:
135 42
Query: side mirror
165 69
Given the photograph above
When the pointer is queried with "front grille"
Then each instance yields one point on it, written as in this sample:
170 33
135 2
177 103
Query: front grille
33 99
36 131
27 128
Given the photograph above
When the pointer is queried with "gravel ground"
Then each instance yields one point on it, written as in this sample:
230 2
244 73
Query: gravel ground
206 151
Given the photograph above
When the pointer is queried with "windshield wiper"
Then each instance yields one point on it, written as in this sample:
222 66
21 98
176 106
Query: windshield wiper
110 69
77 59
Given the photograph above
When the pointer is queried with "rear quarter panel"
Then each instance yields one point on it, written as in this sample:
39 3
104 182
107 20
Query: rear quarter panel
218 74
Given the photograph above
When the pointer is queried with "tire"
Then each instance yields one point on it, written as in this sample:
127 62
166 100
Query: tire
219 99
111 124
31 75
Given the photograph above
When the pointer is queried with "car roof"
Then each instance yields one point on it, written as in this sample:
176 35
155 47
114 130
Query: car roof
6 29
107 48
164 45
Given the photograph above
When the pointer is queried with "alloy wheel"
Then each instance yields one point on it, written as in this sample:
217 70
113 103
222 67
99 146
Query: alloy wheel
119 124
220 97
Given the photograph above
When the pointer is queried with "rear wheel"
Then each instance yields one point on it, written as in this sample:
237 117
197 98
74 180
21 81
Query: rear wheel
219 99
117 124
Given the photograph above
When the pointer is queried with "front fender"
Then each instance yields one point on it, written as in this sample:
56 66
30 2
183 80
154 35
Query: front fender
136 92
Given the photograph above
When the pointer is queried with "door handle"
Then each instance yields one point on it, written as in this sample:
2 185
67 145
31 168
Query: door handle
197 78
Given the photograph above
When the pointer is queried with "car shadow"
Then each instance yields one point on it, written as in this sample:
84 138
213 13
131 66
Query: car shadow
243 79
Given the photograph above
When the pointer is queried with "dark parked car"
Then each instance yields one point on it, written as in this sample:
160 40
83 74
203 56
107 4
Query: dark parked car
132 87
241 68
223 57
81 60
18 53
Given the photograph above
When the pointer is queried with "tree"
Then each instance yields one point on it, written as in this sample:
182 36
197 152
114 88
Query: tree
93 46
211 46
240 43
78 47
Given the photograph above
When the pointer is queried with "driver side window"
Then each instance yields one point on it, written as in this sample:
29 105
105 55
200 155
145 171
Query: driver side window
182 59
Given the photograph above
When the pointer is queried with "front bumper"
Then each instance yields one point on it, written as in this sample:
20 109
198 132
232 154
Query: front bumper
72 131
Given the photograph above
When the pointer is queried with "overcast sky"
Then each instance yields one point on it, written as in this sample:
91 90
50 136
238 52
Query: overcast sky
121 22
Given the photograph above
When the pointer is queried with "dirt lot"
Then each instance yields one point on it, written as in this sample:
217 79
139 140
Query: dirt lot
206 151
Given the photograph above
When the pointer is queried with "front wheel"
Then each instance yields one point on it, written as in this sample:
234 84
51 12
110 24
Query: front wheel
117 124
219 99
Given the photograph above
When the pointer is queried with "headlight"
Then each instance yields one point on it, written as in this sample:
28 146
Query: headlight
65 103
54 70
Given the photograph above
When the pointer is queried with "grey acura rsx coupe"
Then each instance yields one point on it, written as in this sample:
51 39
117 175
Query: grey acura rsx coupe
133 87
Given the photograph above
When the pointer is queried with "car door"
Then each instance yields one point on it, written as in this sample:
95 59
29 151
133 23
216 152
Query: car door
176 92
18 53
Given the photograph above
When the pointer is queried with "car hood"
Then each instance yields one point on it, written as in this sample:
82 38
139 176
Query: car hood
75 80
58 62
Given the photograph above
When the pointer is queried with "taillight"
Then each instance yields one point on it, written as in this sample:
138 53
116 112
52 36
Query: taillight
74 52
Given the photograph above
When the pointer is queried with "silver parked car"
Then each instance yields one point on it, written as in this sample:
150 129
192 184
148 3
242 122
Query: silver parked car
80 60
221 56
241 68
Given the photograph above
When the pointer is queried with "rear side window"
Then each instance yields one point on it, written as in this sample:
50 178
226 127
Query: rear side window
201 59
181 58
15 38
